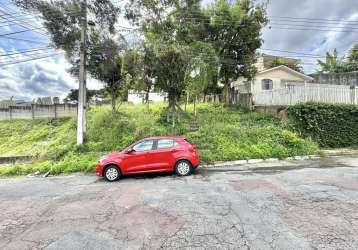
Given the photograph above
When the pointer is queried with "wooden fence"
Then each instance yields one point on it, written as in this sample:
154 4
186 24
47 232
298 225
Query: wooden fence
335 94
38 111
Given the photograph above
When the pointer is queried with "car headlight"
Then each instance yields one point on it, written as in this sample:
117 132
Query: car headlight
102 159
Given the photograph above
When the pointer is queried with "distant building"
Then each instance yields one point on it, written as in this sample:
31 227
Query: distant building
264 59
5 104
139 97
47 100
348 78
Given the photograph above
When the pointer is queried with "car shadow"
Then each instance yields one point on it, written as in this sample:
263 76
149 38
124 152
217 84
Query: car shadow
148 176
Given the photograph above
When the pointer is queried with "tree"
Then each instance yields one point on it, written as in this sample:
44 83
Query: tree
352 63
73 95
353 54
146 69
277 61
203 68
107 67
62 19
332 63
171 38
234 28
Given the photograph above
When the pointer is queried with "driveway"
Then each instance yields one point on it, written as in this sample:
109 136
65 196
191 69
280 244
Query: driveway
305 207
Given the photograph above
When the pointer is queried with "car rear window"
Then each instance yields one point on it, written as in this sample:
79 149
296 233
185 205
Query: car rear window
167 143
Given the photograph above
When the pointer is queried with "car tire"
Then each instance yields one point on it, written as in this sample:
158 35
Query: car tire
183 168
112 173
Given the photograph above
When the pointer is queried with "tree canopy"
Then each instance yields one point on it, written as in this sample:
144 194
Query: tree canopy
333 64
277 61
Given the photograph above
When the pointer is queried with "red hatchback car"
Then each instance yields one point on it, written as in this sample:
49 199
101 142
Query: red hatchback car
155 154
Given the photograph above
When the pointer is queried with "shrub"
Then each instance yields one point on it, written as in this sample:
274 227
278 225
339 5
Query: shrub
330 125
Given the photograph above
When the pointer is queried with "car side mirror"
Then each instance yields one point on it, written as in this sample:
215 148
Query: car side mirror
131 150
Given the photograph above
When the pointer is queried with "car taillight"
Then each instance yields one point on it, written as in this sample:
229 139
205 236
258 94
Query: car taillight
193 147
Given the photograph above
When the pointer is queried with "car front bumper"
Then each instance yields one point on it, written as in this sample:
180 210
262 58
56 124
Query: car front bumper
99 169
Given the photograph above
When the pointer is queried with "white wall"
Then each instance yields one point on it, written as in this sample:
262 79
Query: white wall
139 97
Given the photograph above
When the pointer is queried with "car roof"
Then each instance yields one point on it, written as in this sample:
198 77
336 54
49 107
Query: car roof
165 137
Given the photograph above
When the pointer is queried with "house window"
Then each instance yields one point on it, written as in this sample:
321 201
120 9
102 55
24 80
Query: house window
266 84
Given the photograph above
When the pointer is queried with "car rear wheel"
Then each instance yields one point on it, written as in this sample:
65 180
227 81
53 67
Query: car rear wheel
183 168
112 173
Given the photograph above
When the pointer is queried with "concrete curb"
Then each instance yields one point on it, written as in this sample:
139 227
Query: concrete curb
245 164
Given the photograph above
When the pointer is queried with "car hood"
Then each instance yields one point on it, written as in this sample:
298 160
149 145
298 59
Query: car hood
113 155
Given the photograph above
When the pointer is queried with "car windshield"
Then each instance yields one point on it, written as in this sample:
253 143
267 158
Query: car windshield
143 146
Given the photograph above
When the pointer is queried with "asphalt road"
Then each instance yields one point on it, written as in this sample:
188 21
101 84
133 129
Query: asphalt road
301 208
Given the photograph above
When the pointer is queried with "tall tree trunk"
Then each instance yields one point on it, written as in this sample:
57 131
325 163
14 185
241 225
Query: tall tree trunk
195 100
114 101
171 108
147 97
186 101
114 110
226 93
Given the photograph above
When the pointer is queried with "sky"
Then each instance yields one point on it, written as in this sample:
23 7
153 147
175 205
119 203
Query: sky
303 29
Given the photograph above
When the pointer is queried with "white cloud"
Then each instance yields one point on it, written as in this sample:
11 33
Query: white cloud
47 77
312 41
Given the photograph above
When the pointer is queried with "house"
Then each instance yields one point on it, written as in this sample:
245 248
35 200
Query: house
273 78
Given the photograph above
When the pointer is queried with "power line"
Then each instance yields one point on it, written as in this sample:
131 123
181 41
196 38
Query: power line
17 32
318 19
23 40
19 24
17 62
33 54
309 29
310 22
317 26
25 51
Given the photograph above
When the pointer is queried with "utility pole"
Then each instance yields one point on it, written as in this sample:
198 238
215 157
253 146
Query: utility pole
81 113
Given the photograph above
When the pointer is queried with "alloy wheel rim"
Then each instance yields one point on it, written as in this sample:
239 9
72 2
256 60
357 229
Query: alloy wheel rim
183 168
112 174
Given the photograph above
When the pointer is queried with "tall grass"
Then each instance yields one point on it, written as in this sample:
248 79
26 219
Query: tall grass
225 133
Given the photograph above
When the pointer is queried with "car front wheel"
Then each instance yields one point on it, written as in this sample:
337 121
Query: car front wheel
112 173
183 168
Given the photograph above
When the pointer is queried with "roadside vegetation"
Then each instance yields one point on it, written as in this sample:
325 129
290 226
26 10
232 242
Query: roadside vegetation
221 133
330 125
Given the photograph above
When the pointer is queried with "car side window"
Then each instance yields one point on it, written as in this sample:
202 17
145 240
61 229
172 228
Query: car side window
166 143
143 146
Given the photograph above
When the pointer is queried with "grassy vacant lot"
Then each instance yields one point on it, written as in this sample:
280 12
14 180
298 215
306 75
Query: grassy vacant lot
223 134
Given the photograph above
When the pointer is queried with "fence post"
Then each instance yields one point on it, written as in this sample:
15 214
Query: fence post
55 110
353 94
33 110
10 112
305 91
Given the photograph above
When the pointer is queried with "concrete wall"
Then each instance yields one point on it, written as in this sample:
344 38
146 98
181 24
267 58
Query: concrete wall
350 78
38 111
